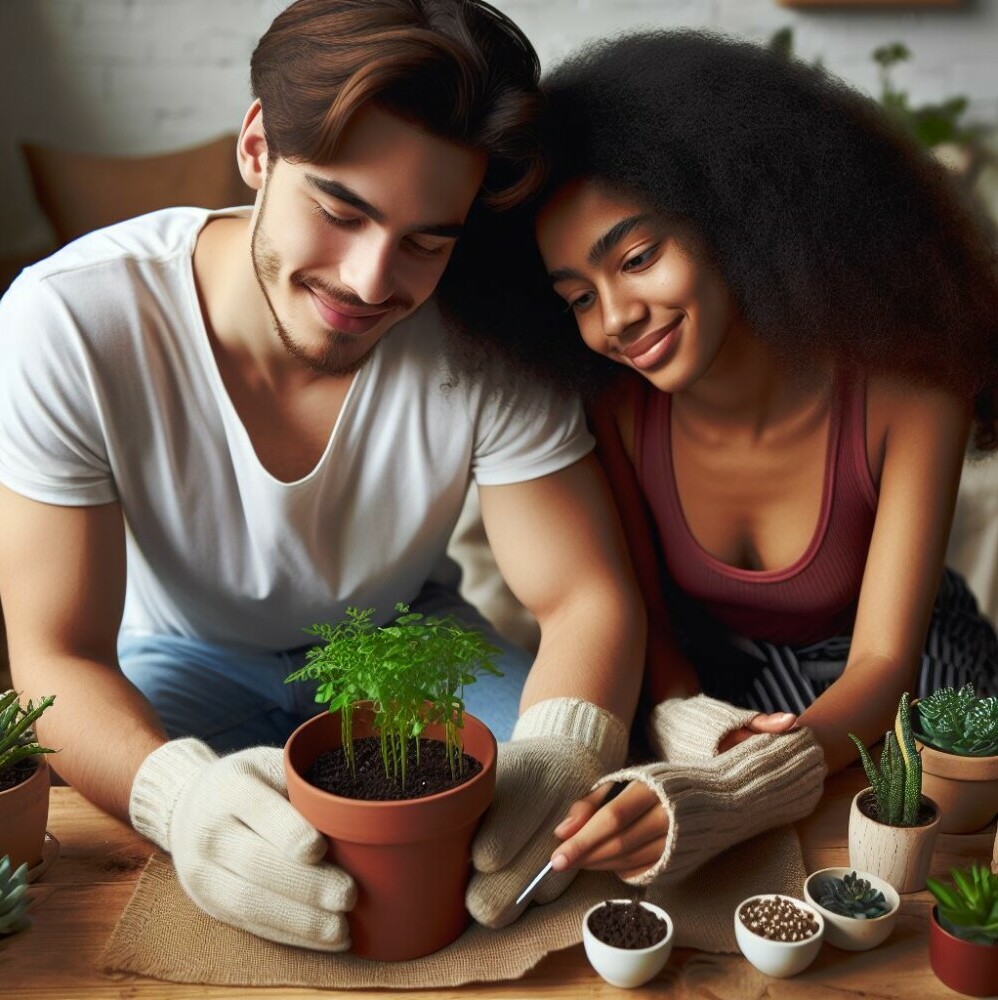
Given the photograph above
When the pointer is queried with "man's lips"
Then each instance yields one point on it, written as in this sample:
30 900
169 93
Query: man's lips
649 349
346 319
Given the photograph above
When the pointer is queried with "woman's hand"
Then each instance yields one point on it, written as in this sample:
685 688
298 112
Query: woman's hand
628 836
777 722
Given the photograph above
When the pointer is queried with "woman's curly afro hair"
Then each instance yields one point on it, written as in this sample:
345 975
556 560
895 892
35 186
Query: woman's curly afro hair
835 233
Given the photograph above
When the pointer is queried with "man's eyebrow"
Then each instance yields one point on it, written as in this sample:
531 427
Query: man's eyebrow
602 245
334 189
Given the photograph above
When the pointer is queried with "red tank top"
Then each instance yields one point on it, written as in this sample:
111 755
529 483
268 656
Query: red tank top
815 597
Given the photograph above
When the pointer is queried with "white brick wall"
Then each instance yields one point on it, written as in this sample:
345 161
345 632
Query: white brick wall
139 76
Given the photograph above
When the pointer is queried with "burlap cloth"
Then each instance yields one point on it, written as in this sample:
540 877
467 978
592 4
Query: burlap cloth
164 935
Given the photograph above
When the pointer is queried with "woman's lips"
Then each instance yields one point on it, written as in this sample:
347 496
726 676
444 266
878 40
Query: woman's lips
345 319
649 350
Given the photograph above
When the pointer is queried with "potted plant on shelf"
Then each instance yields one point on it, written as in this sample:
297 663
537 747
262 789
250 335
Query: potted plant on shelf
396 774
892 825
24 781
963 931
860 910
957 735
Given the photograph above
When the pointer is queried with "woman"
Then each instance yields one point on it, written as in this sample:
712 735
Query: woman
792 325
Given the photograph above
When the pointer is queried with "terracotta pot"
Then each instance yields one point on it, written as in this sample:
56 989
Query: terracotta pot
900 855
963 966
24 813
965 788
411 859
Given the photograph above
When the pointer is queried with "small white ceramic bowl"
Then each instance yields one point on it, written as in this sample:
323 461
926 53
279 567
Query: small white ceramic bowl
778 958
849 933
627 967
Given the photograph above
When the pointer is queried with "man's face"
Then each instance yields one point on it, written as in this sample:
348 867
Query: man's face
345 250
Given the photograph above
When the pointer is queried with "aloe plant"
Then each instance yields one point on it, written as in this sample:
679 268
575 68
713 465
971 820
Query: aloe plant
959 722
969 908
17 738
897 784
13 897
851 896
413 672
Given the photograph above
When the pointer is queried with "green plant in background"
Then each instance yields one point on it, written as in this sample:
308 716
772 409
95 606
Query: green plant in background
969 908
412 671
851 896
897 785
17 739
959 722
930 124
13 897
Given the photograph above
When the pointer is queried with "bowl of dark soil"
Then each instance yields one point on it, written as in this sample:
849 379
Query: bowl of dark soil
627 941
780 936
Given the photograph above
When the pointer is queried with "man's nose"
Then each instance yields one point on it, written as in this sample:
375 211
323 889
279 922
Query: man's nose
368 270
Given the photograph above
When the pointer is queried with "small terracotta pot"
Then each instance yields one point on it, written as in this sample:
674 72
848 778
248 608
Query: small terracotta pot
965 788
963 966
24 813
900 855
411 859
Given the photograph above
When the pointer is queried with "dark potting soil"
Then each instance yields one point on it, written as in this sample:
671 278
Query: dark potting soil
868 805
16 773
427 776
627 925
778 919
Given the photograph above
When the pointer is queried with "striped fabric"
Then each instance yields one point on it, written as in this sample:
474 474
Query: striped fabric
961 648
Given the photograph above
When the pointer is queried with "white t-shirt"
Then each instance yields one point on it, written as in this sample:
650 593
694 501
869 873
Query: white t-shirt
109 391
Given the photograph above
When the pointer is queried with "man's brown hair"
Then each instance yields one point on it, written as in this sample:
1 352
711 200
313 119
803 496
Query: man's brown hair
459 69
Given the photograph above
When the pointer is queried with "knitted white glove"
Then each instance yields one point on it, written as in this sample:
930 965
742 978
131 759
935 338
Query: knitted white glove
558 749
687 730
764 781
241 850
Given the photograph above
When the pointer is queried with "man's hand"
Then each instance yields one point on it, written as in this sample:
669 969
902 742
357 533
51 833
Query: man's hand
242 852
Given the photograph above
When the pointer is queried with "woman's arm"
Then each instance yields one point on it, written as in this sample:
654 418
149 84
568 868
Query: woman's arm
923 435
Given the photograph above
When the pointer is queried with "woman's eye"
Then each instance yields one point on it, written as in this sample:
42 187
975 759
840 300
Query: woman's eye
581 302
639 260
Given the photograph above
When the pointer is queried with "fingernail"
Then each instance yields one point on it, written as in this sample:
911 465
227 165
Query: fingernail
559 863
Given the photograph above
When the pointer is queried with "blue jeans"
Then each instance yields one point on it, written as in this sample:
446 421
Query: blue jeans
232 699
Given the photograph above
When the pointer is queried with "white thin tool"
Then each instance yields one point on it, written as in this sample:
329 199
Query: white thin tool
618 787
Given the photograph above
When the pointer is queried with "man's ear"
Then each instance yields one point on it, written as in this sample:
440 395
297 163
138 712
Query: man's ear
251 149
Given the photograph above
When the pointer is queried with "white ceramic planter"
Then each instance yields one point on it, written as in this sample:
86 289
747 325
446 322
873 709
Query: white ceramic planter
627 967
849 933
778 958
900 855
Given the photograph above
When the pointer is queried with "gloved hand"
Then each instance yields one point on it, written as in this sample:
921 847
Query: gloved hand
765 781
242 852
558 749
687 730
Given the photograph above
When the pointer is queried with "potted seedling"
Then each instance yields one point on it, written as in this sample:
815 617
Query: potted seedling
860 910
963 931
24 781
892 825
780 936
627 941
395 773
957 734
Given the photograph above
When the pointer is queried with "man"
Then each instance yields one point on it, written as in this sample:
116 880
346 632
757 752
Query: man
217 428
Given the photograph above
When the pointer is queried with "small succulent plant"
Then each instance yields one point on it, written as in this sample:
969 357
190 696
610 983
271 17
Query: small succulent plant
851 896
959 722
17 738
969 908
13 897
897 784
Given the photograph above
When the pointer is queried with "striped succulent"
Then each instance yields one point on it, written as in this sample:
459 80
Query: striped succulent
13 897
851 896
897 785
17 739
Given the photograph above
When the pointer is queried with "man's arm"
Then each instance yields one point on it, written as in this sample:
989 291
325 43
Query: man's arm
558 543
62 585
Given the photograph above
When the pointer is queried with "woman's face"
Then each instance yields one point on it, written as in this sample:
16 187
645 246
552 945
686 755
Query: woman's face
638 295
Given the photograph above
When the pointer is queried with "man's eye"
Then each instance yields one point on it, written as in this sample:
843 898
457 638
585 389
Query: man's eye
424 250
335 220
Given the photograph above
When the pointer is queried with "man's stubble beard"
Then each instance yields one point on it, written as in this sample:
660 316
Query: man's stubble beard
267 268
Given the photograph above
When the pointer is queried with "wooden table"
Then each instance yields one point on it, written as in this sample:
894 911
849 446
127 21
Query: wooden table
79 900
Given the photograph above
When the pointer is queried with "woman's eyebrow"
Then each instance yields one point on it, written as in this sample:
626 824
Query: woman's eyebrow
602 245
